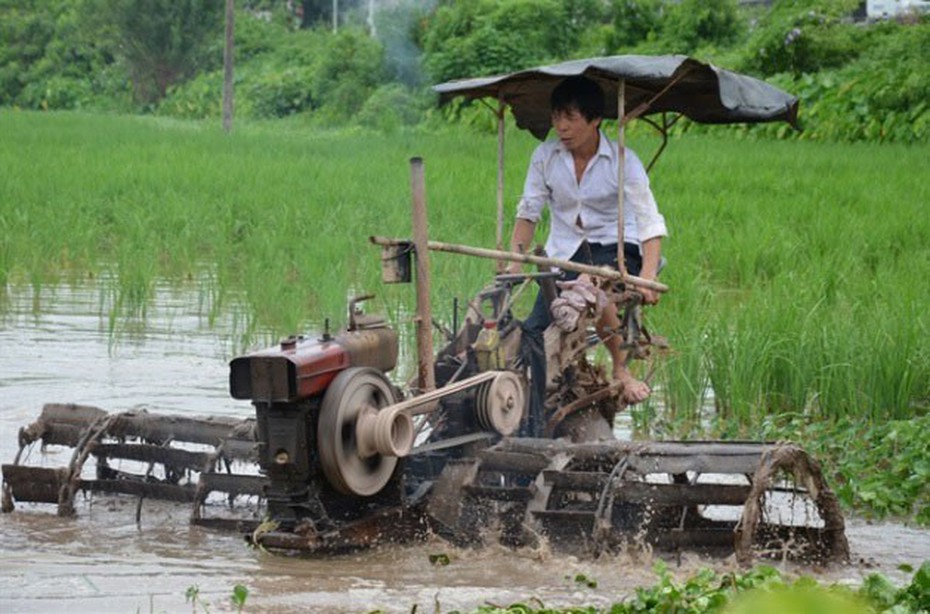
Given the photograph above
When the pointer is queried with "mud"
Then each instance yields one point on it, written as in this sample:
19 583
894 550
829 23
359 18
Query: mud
102 561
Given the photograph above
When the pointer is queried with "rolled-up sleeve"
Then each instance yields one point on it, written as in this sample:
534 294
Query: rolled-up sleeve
636 191
649 222
535 192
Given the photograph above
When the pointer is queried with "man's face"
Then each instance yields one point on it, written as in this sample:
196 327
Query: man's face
574 130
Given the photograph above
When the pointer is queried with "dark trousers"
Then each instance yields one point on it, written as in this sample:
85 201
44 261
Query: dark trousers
532 345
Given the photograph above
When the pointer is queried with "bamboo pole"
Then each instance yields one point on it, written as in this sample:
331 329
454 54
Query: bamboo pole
621 163
566 265
426 379
500 182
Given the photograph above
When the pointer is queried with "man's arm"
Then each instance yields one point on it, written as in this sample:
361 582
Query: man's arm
523 232
650 224
652 253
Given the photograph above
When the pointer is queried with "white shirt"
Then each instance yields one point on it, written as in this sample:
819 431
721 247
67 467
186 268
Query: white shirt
588 210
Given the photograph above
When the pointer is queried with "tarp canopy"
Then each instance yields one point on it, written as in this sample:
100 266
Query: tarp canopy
653 84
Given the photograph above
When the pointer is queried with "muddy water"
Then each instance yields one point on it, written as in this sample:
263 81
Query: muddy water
102 561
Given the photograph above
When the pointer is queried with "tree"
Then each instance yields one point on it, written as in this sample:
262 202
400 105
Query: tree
804 36
692 23
465 38
635 21
162 42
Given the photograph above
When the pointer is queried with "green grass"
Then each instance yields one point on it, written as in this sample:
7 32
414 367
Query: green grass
799 271
806 269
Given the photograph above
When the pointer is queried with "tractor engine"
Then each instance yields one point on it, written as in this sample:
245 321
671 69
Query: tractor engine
312 398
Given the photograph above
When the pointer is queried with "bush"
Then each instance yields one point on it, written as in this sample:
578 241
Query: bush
692 23
281 93
26 31
56 92
349 70
199 98
469 38
804 36
635 21
881 97
392 106
53 57
256 36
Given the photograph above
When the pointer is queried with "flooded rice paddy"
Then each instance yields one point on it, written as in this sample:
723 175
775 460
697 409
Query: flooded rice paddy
55 347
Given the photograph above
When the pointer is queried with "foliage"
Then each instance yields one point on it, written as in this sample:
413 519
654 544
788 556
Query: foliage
890 476
761 590
240 594
199 98
635 21
881 97
50 59
855 82
468 38
804 36
192 596
256 35
886 597
310 70
692 23
278 93
393 106
161 41
349 71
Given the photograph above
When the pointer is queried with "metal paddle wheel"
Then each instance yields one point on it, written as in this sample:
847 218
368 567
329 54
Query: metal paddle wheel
751 499
148 456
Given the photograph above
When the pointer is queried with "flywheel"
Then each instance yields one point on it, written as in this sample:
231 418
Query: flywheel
353 392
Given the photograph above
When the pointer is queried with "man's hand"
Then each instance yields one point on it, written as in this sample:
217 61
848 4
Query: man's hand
650 297
652 254
522 236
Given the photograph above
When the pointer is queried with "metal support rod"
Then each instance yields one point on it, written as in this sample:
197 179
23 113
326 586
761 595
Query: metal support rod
566 265
621 163
426 379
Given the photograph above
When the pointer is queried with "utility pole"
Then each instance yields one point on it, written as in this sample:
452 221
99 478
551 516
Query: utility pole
335 16
228 68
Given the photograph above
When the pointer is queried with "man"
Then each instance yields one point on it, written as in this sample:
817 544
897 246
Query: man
576 177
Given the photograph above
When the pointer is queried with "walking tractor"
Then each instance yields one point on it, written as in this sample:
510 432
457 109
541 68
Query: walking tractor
339 455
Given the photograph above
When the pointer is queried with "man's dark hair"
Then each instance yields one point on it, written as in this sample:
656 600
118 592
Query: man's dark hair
578 93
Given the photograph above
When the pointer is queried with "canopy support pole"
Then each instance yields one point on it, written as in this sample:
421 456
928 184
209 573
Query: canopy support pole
500 182
621 163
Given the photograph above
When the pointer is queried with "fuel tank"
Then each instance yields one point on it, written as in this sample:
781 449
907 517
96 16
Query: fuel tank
300 368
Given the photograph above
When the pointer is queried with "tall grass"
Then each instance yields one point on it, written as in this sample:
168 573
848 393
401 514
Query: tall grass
817 262
800 272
